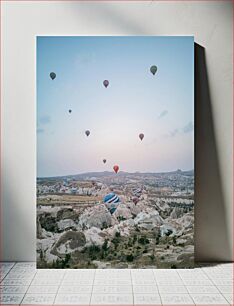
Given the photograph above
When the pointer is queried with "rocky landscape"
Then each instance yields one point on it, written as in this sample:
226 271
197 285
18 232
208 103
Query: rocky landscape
155 232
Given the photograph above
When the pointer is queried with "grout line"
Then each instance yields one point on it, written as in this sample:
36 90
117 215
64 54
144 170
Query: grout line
14 263
28 287
91 294
58 287
186 287
133 301
157 286
216 286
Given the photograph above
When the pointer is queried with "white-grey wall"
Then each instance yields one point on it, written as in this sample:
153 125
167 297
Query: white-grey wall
211 24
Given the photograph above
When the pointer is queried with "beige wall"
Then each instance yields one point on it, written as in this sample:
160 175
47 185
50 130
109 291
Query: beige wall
211 24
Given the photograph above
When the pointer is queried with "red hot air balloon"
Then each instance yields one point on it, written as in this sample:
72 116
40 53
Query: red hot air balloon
116 168
87 133
141 136
104 160
106 83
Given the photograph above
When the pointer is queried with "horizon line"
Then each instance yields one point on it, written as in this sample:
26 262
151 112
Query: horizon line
111 172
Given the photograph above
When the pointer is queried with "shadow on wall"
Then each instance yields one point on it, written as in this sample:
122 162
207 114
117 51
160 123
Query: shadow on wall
211 232
18 230
112 15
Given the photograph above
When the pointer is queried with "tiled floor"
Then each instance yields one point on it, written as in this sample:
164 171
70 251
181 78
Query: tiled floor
208 284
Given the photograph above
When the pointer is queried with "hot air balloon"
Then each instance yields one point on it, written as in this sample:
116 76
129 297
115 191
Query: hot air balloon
135 200
70 111
111 201
116 168
106 83
141 136
104 160
153 69
87 133
52 75
137 192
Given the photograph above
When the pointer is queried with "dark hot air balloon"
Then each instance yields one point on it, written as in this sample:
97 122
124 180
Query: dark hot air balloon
116 168
87 133
141 136
106 83
135 200
153 69
70 111
104 160
52 75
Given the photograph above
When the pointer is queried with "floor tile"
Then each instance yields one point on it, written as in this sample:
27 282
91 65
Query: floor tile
196 282
225 289
11 299
77 282
110 277
112 299
3 275
113 273
229 298
43 289
147 299
23 270
113 282
164 289
178 299
72 299
66 289
169 282
16 282
221 277
202 289
53 271
19 276
74 274
145 273
5 269
143 281
45 282
112 289
145 289
13 289
27 264
39 299
223 282
9 264
209 299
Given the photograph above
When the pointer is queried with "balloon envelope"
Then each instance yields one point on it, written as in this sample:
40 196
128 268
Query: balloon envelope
52 75
87 133
153 69
70 111
111 198
106 83
111 201
141 136
116 168
135 200
104 160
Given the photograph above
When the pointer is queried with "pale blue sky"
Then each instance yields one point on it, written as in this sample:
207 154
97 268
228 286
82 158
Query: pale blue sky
160 106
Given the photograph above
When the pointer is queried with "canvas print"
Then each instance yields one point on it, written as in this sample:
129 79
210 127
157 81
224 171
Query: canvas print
115 152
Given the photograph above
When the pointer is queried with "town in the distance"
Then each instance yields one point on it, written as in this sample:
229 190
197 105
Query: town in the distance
109 220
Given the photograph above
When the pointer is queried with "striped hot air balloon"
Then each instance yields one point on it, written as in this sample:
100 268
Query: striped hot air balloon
111 198
137 192
112 201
